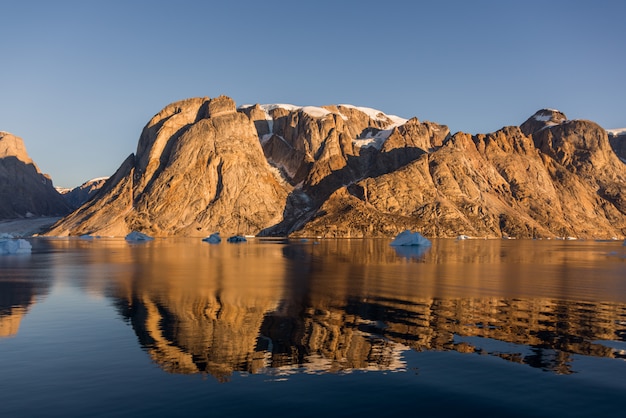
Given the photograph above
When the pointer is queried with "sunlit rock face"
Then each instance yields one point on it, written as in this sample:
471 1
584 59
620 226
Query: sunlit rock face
24 190
202 165
199 168
563 180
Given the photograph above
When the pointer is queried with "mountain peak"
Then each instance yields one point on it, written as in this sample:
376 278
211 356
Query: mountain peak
542 119
13 146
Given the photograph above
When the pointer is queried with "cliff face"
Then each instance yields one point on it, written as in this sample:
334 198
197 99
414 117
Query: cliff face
562 180
342 171
199 168
24 190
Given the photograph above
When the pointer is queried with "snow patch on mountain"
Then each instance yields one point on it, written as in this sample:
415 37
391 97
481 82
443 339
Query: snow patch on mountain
616 132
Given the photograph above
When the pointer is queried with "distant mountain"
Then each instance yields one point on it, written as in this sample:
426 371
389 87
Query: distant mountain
24 190
79 195
617 138
202 165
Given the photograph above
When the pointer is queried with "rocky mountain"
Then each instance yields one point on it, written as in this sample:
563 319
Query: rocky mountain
79 195
202 165
24 190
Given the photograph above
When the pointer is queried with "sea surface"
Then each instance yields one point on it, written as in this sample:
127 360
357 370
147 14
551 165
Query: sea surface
180 327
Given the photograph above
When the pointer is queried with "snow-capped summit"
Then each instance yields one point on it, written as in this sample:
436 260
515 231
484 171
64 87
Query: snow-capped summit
542 119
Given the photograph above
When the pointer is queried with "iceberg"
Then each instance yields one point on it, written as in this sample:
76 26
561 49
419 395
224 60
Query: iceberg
138 236
213 238
408 238
237 238
14 246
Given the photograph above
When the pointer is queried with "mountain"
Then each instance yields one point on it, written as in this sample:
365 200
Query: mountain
79 195
24 190
202 165
617 138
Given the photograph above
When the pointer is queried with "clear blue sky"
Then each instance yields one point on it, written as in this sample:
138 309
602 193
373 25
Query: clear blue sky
80 79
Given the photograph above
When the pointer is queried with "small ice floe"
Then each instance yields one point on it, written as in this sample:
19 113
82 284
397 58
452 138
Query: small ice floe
14 246
462 237
408 238
86 236
213 238
138 237
237 238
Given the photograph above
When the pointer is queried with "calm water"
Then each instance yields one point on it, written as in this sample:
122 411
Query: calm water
337 328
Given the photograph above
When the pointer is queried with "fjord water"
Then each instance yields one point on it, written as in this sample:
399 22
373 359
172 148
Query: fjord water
178 327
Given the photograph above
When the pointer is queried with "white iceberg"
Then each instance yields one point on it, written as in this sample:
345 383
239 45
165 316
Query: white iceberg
213 238
138 236
14 246
408 238
462 237
237 238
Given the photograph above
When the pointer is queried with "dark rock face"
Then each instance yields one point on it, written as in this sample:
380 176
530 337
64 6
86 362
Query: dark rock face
341 171
24 190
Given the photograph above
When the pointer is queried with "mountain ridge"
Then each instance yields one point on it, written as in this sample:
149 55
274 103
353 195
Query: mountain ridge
204 165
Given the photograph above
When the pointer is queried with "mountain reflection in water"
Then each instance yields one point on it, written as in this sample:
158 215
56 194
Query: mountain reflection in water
277 307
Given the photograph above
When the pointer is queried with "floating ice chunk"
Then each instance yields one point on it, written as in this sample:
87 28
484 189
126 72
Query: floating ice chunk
408 238
86 236
237 238
462 237
213 238
14 246
6 235
138 236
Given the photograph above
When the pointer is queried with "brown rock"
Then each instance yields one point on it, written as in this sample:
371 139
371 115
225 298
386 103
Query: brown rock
24 190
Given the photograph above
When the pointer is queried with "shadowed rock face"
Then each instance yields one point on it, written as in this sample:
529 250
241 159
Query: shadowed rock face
79 195
24 190
341 171
618 143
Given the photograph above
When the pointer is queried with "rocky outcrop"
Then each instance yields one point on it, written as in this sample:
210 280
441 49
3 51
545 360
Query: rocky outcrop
343 171
24 190
79 195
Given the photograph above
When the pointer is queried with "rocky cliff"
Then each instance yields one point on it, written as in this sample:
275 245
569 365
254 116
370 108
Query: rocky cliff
24 190
202 165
